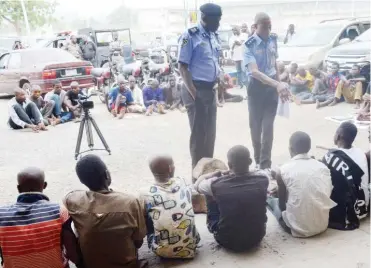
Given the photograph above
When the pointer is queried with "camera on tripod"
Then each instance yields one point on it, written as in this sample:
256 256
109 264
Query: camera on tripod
84 102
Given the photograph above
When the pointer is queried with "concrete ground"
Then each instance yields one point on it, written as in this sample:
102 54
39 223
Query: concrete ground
136 138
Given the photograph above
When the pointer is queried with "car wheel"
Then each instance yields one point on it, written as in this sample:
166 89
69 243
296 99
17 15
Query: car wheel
27 87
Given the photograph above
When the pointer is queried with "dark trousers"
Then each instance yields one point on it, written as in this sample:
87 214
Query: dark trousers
202 120
262 101
240 73
30 114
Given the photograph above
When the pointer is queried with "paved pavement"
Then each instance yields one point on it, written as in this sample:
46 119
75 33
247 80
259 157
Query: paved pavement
135 139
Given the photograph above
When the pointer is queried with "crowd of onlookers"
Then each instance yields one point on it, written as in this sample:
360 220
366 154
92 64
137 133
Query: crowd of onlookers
101 227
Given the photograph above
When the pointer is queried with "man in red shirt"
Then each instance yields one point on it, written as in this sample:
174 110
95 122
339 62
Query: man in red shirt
34 232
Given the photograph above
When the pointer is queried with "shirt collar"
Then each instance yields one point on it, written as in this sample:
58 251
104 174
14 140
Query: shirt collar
301 157
259 40
31 197
203 30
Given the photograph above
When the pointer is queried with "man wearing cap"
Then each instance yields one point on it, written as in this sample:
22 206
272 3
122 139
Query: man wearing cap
264 88
199 51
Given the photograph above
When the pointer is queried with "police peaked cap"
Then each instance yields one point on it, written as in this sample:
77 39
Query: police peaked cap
211 9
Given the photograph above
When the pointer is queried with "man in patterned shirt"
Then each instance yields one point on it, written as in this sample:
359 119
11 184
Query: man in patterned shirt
34 231
171 229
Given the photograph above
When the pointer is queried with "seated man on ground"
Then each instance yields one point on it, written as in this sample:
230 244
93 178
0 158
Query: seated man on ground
304 189
137 94
153 97
45 108
120 98
35 232
171 229
319 92
364 112
225 83
349 174
293 71
350 88
58 95
110 225
24 113
240 195
302 84
72 97
283 73
173 95
332 81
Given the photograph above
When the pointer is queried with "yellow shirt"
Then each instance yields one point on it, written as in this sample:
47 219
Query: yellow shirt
307 77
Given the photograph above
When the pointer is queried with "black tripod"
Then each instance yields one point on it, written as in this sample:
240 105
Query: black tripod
87 122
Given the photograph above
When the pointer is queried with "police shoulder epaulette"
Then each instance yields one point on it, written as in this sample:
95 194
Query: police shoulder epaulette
250 41
193 30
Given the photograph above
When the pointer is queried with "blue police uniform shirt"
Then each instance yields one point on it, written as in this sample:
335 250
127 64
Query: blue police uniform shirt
200 50
263 53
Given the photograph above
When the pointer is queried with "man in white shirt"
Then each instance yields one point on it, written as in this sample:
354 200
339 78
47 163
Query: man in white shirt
304 190
24 113
58 95
136 92
236 45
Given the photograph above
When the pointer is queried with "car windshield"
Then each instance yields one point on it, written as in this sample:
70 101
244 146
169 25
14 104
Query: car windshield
365 37
315 36
32 57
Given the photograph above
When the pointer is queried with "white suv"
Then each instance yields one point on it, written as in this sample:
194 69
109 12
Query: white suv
308 47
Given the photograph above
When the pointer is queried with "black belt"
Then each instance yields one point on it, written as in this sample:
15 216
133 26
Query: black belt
203 85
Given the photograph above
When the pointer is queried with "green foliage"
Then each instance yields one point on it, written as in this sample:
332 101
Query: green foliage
39 12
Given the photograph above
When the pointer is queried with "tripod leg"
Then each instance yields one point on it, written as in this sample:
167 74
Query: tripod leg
89 133
100 135
79 138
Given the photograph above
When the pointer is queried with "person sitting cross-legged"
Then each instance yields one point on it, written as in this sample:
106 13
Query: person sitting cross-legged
153 97
304 189
110 225
350 88
35 232
349 174
58 95
45 108
24 113
173 95
137 94
302 84
171 229
71 101
240 197
120 98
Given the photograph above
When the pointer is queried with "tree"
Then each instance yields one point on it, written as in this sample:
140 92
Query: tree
39 12
122 17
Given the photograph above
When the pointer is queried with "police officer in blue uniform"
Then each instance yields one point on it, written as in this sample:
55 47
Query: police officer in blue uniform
264 88
199 51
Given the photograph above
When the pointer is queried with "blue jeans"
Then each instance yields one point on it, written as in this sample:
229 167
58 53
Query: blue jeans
273 206
57 111
240 73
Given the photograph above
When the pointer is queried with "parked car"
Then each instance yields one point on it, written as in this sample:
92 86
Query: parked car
356 52
42 66
308 47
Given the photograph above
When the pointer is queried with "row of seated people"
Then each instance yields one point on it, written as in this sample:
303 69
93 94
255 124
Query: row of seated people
325 89
128 97
101 227
36 112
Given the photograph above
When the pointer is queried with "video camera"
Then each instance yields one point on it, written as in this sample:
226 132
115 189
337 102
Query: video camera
84 102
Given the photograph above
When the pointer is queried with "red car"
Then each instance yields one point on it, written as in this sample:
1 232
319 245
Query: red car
42 66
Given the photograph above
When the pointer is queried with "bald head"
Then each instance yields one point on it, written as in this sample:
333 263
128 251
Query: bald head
263 25
20 95
162 167
239 159
155 84
31 179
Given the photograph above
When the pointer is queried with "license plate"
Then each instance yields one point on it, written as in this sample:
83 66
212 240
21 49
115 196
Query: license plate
71 72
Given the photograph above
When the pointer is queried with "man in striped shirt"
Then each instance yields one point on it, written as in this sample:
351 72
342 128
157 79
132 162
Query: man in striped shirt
34 232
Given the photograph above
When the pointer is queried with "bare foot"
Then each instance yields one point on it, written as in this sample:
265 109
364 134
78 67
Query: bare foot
114 113
357 106
56 122
297 101
219 104
318 104
121 115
